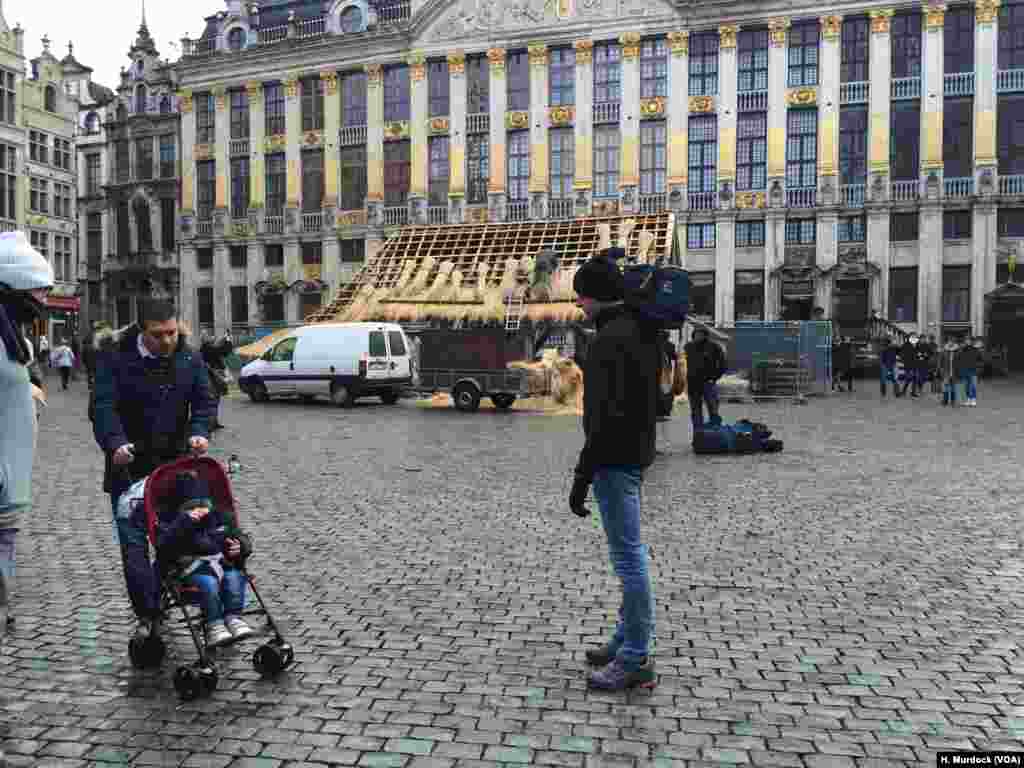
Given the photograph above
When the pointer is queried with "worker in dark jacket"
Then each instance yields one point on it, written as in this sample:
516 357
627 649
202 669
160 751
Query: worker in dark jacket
842 364
909 356
215 355
152 407
620 411
705 364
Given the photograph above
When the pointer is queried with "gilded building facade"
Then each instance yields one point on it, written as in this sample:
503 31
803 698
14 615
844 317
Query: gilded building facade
858 156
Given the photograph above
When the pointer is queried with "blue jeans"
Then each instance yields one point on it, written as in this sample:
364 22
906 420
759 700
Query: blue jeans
617 490
970 382
219 600
949 391
139 574
7 536
887 374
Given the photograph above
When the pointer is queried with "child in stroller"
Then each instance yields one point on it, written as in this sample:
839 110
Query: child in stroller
203 545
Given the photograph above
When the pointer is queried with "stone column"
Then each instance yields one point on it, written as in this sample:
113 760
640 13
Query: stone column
222 131
253 274
825 257
725 268
727 122
220 280
187 287
880 69
986 61
774 257
828 110
629 123
929 267
419 113
332 134
583 183
984 241
538 184
293 157
678 111
188 161
456 136
932 91
878 253
257 152
777 69
498 106
374 145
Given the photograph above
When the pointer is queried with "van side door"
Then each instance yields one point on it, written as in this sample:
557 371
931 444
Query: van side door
280 379
398 349
378 364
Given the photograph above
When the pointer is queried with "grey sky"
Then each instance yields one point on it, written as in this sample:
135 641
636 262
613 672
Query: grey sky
103 31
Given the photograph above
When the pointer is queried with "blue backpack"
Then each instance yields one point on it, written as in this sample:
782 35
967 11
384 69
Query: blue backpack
660 294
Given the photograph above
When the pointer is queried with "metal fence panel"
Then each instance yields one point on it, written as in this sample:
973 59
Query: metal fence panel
782 358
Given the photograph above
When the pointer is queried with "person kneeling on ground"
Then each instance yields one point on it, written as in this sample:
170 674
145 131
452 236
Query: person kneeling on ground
620 411
208 549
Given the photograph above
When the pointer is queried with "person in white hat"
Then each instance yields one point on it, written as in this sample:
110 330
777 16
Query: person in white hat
25 279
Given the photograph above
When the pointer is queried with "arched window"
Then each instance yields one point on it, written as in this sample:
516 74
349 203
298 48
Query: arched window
236 39
142 226
165 105
140 100
50 99
352 19
92 123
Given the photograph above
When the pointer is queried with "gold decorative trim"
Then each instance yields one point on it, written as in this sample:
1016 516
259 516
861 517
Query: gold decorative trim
438 126
935 16
517 120
727 35
291 87
985 11
831 26
496 58
202 152
220 96
679 43
374 72
416 57
313 139
185 101
240 229
584 51
276 142
652 107
350 218
880 20
417 72
777 32
253 88
457 63
538 54
396 130
606 207
802 97
560 116
330 83
750 200
630 42
702 104
476 215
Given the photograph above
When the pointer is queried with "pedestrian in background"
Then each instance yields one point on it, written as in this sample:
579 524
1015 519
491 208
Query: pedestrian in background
948 371
620 412
842 364
933 373
968 363
76 352
63 360
705 364
215 356
911 366
887 359
44 350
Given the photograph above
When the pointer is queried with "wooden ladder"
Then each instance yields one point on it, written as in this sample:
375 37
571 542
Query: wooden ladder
513 312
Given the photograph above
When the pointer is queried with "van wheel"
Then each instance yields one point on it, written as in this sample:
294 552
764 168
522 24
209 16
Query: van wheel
504 401
466 397
342 396
258 392
389 398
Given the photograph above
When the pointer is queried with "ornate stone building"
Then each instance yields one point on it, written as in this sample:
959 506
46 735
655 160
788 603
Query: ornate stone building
857 156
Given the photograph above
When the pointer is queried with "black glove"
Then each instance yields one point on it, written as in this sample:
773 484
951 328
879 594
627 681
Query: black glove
578 495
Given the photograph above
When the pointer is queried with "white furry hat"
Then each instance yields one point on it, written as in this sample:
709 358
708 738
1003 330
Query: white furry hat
22 267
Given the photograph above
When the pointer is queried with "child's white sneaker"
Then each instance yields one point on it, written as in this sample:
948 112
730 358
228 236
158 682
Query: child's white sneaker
217 634
237 627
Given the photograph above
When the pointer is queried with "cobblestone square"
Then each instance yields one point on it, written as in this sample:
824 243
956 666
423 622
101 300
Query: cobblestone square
853 602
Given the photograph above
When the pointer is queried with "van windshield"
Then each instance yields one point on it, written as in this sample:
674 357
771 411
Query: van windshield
377 346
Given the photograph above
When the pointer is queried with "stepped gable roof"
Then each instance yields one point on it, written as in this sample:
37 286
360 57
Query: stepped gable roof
467 245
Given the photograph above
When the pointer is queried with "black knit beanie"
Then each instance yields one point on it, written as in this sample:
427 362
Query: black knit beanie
600 279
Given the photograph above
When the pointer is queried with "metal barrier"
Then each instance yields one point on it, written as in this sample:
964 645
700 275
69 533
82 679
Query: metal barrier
783 359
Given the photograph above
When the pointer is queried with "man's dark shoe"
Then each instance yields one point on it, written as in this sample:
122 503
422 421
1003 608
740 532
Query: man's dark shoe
599 657
216 426
615 677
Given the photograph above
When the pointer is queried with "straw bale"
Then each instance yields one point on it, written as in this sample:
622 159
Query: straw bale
604 236
625 230
454 289
408 268
419 282
646 241
439 287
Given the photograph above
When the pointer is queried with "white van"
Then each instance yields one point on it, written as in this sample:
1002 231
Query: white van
342 361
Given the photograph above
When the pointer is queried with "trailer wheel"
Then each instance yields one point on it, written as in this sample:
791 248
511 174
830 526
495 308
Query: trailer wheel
466 396
503 401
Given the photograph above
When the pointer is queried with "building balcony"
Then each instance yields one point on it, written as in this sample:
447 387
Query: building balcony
954 187
853 195
1012 184
273 222
396 215
906 191
958 84
437 214
352 136
854 93
238 147
151 105
1009 80
517 211
311 28
607 112
272 35
204 228
653 203
801 197
752 101
312 222
479 122
703 201
560 208
906 88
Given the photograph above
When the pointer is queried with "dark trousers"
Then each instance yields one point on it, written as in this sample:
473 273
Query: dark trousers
139 573
65 376
701 393
914 379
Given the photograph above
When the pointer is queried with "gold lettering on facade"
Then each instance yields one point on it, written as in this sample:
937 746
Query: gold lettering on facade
935 16
560 116
220 96
538 54
457 63
702 104
496 58
252 89
777 32
291 87
831 26
750 199
438 126
652 107
373 74
727 35
985 11
802 97
584 51
517 120
630 42
330 82
185 101
679 42
880 20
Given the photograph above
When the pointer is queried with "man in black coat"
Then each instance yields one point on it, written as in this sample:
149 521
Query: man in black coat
620 411
705 364
910 356
215 355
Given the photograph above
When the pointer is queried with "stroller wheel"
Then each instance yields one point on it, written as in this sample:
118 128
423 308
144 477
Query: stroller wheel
208 679
267 660
146 653
187 683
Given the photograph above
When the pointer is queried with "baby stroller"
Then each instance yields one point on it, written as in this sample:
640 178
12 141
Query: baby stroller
200 678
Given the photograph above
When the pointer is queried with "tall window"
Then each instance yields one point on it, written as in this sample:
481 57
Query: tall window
703 144
852 229
802 148
39 195
803 54
204 259
750 233
124 237
957 137
1010 222
478 167
653 68
607 155
168 221
274 109
239 304
752 60
517 76
749 294
168 161
273 255
396 93
438 87
704 64
38 146
752 151
205 116
702 296
905 140
903 227
438 172
1011 36
353 99
206 188
236 39
562 76
8 182
801 231
478 85
956 294
853 145
122 160
905 36
275 183
94 240
958 43
607 73
1010 134
239 187
41 242
518 165
352 251
353 178
144 158
238 256
956 225
204 302
143 226
700 235
854 58
562 143
903 294
62 153
653 157
312 103
140 100
8 114
397 172
312 180
239 114
62 200
92 174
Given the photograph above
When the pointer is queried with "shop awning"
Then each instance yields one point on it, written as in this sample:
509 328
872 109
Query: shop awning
65 303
